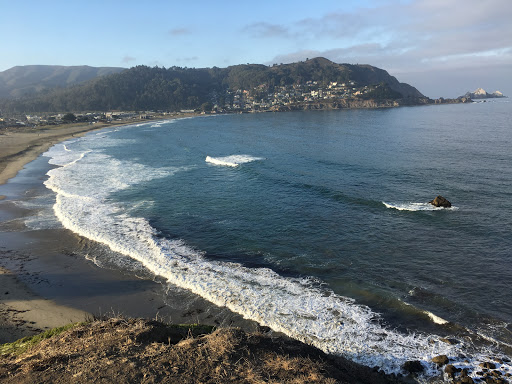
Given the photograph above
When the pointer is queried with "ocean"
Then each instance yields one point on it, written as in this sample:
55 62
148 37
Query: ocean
315 224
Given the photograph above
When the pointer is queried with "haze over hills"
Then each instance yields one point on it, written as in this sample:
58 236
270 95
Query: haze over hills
175 88
30 79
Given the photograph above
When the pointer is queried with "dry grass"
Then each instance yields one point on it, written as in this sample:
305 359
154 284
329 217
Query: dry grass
135 350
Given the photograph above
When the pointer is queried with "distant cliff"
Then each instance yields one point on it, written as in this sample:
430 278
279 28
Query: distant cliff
482 94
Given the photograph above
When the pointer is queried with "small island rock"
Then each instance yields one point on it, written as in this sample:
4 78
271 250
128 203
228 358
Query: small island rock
440 201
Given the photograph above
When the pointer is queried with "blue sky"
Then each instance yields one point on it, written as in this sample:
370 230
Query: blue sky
442 47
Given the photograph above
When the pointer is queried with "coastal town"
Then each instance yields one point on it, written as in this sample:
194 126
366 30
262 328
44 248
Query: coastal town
263 98
259 98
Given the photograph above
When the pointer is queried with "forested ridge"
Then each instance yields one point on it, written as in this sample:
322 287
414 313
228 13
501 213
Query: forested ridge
177 88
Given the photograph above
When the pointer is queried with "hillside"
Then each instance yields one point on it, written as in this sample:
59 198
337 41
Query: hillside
29 79
175 88
141 351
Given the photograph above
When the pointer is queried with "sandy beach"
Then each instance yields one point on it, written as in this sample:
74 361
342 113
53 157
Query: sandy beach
19 146
47 281
23 312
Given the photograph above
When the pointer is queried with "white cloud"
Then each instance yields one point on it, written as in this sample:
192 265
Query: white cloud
417 37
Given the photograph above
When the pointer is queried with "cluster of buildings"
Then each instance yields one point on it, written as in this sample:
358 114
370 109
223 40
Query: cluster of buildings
260 99
63 118
52 119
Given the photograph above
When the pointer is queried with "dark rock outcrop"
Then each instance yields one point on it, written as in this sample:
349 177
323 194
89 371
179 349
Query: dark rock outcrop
458 100
440 360
440 201
488 365
413 366
450 370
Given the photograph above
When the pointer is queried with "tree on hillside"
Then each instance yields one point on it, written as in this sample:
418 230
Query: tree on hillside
68 118
207 107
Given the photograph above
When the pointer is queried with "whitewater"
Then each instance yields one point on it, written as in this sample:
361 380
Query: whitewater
87 180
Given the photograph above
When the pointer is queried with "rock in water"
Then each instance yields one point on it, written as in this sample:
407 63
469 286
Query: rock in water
440 201
413 366
440 360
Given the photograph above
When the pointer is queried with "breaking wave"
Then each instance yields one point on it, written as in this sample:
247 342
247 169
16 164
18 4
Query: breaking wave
232 161
297 307
414 207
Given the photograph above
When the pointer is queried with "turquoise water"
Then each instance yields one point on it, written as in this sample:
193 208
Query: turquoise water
316 223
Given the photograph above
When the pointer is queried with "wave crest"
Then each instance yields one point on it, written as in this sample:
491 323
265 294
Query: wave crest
232 161
414 207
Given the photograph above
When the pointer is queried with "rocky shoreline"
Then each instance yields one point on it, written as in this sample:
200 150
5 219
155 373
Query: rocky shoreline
488 372
366 104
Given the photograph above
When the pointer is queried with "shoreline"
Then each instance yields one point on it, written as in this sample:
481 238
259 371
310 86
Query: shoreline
20 146
60 265
47 279
22 311
49 283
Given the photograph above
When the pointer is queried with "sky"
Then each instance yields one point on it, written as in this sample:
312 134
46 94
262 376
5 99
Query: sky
442 47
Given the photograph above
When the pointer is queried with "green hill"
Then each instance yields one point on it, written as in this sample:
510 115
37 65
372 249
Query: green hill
175 88
30 79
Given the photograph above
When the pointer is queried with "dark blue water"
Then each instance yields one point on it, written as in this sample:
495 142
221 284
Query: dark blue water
334 201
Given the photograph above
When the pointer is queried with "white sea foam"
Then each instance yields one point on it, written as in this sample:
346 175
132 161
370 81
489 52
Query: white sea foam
232 161
61 155
416 207
293 306
42 220
436 319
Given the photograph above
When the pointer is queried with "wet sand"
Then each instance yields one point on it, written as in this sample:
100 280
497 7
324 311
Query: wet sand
22 311
19 146
48 277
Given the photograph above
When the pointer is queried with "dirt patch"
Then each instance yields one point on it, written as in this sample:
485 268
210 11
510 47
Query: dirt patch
142 351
